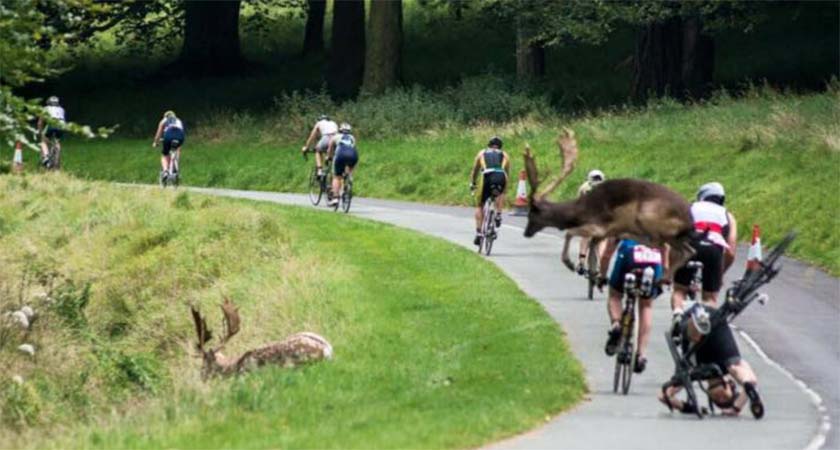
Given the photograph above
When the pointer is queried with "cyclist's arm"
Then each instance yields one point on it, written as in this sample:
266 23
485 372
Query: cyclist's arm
612 244
732 240
475 168
158 134
311 138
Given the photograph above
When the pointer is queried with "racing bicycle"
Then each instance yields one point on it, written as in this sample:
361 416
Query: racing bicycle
172 174
346 193
53 159
637 284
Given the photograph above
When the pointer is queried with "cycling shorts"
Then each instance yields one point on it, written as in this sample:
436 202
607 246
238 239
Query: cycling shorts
719 348
492 183
629 258
345 157
324 143
711 256
54 133
173 139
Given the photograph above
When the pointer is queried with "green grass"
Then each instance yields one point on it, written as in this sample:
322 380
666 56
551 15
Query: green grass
434 347
777 155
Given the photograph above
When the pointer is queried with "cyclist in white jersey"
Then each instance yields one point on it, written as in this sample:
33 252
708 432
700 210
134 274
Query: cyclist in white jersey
715 248
323 131
171 129
55 131
593 178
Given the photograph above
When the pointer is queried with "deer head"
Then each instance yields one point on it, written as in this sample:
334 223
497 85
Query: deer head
214 360
543 213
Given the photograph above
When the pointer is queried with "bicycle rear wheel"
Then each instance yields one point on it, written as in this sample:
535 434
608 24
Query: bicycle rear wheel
489 228
347 195
592 273
316 190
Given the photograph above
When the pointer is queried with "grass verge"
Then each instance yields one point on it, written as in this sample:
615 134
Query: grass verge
777 155
433 346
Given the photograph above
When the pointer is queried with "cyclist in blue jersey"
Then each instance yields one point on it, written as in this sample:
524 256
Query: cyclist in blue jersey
343 148
171 130
631 255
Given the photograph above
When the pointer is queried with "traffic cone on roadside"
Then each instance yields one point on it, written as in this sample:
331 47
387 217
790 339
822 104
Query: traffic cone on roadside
754 254
520 205
17 161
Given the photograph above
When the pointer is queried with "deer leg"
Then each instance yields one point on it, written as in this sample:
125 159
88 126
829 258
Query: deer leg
566 260
593 263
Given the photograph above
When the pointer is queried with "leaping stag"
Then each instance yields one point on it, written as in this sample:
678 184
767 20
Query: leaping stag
297 349
622 208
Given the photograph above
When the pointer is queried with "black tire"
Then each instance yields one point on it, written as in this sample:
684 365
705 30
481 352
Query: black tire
628 367
489 231
592 261
316 190
347 195
617 375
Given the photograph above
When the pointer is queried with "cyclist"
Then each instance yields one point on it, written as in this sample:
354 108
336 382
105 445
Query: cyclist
631 255
343 147
719 349
593 178
324 130
715 247
171 129
495 167
48 131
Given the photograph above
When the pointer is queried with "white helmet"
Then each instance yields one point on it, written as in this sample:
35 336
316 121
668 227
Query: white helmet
699 317
52 101
711 192
595 176
344 127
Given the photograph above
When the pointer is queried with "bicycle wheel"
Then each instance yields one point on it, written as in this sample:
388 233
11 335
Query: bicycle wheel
316 187
617 374
347 195
592 272
629 366
489 227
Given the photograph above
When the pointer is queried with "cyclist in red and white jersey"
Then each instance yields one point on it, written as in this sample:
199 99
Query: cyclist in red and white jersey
324 131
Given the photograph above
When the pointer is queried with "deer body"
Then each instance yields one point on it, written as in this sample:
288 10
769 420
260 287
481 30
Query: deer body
295 350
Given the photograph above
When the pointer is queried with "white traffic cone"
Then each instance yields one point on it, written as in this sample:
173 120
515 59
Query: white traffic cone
520 205
754 254
17 161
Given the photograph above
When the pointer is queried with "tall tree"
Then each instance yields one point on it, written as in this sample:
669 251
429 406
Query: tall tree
384 46
347 53
211 37
530 52
313 38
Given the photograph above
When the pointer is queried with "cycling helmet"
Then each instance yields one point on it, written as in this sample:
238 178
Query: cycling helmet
344 127
52 101
495 141
595 176
169 114
711 192
700 317
323 117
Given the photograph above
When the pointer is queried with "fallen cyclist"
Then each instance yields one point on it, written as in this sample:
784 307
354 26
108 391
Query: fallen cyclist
718 362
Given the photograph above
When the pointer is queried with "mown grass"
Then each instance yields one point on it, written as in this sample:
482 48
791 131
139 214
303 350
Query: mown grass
777 154
433 346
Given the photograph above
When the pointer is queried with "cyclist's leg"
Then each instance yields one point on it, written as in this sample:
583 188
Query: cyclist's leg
339 165
645 321
583 250
165 153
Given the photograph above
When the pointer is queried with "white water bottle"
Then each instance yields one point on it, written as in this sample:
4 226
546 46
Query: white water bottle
647 281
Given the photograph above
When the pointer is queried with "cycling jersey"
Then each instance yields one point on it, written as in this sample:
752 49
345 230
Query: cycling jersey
172 122
631 255
492 160
327 127
712 219
346 154
173 135
56 113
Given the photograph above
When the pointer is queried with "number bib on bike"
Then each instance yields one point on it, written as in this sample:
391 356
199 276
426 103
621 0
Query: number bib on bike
646 255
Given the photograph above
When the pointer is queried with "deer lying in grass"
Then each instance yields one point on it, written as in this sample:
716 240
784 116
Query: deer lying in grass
297 349
622 208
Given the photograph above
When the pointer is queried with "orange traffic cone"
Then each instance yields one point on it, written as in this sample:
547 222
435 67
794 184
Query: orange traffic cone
754 255
520 205
17 161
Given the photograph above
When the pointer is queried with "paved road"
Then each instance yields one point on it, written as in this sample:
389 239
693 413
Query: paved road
798 329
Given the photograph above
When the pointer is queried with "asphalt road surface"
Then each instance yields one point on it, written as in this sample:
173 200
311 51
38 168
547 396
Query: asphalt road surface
793 343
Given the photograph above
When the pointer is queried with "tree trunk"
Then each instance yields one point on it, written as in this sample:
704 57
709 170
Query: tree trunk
347 53
384 47
673 58
530 55
211 37
313 38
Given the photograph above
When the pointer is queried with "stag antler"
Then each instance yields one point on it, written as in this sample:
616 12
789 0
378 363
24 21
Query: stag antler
568 154
231 313
204 335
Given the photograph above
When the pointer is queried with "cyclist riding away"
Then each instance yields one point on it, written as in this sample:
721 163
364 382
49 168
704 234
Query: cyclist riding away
593 178
495 168
631 256
171 129
343 147
715 246
324 131
721 350
55 131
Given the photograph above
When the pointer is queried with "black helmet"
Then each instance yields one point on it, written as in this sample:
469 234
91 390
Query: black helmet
495 141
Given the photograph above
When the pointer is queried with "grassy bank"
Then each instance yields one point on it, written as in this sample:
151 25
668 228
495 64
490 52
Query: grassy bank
425 354
776 154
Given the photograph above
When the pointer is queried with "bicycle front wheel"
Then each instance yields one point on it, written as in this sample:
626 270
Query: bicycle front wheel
316 190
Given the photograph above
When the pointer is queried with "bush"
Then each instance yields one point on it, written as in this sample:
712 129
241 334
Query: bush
20 404
490 98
